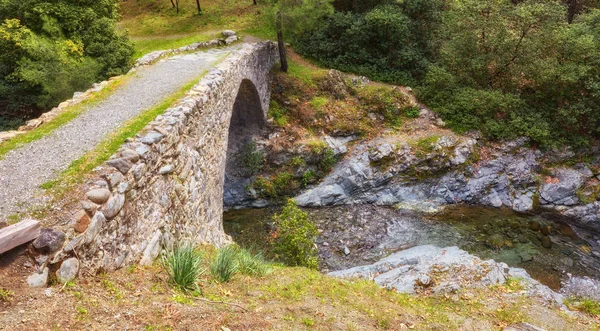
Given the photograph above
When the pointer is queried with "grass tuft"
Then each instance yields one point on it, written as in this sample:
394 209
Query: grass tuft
225 265
184 267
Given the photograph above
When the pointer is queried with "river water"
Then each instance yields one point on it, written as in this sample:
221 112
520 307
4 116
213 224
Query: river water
543 244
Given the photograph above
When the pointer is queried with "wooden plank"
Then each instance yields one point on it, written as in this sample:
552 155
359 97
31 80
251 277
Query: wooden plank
18 234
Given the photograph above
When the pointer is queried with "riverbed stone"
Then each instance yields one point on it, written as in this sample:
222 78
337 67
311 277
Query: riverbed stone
98 196
49 241
68 270
404 270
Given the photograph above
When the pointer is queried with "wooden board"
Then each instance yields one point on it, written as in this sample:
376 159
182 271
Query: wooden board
18 234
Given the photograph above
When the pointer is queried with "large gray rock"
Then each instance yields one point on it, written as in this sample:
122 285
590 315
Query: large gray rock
49 241
68 270
561 190
408 270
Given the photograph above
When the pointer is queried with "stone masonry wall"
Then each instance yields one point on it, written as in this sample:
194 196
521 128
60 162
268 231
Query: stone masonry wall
165 186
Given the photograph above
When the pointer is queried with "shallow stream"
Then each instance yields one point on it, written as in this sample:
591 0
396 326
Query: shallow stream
544 245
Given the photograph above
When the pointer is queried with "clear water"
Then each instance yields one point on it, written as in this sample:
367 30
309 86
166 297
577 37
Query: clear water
545 246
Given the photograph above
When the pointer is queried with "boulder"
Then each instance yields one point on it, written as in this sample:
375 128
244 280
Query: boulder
38 279
49 241
113 206
68 270
98 196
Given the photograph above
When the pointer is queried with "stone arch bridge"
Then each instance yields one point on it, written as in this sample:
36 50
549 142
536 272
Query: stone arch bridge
165 186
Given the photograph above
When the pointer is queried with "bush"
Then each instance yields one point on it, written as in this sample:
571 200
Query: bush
294 238
251 158
184 266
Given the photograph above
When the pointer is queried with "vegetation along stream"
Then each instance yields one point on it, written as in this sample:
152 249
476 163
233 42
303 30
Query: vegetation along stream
545 246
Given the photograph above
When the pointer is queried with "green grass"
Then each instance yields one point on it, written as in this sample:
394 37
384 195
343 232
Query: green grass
65 117
588 306
225 265
155 25
183 265
307 75
144 46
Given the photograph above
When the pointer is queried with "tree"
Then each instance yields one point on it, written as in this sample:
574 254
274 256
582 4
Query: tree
281 44
198 6
52 48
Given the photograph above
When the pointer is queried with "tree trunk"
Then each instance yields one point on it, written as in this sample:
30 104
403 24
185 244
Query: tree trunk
572 6
198 5
173 3
254 2
281 44
177 6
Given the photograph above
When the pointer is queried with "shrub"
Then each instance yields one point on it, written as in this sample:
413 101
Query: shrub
225 265
251 157
328 160
183 265
412 112
294 239
308 177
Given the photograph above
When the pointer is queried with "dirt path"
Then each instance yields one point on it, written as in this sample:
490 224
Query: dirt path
23 170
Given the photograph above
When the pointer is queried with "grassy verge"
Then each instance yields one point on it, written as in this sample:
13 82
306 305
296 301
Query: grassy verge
144 46
285 299
65 117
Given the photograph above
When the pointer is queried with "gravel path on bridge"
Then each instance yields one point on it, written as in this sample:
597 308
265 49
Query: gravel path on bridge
23 170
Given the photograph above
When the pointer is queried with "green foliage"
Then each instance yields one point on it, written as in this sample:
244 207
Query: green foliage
50 49
318 102
184 266
252 264
251 157
6 295
294 239
385 40
589 306
231 260
277 113
10 123
328 160
225 265
411 112
308 177
518 70
385 101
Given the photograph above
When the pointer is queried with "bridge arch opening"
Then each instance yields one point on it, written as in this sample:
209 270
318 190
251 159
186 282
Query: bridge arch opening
243 144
